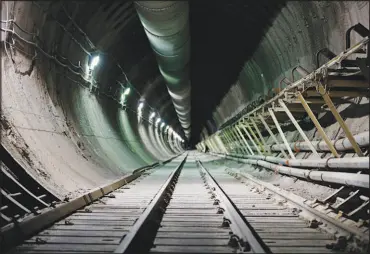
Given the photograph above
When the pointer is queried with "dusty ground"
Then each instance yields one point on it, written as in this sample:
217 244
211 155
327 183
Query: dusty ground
301 188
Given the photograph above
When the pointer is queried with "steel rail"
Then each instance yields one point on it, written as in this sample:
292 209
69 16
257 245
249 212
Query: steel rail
239 225
301 203
127 245
16 232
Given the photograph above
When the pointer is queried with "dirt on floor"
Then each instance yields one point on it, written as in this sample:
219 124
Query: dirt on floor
307 190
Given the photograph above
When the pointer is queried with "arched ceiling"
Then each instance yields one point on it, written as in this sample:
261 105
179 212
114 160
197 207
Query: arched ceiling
223 36
244 45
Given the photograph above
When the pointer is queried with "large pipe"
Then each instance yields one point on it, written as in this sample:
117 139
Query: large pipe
351 179
362 139
166 24
332 163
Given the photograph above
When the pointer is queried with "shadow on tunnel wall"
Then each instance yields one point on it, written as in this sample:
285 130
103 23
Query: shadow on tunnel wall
298 32
68 138
224 36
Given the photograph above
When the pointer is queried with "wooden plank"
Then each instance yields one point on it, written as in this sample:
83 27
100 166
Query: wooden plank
89 227
192 229
192 218
97 222
191 223
87 233
296 235
355 83
300 250
283 230
76 239
215 235
297 242
53 248
191 242
267 213
14 202
191 249
94 216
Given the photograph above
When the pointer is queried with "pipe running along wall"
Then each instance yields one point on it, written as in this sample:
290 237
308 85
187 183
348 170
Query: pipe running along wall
166 25
351 179
343 144
331 163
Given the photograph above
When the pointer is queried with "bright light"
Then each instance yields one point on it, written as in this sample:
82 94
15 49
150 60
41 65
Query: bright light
122 98
94 62
140 109
127 91
158 120
152 115
141 105
162 124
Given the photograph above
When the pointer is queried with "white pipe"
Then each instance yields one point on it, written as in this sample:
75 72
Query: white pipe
333 163
362 139
322 176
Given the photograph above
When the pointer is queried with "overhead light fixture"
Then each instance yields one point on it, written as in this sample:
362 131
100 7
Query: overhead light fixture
127 91
158 120
94 62
162 124
152 115
141 105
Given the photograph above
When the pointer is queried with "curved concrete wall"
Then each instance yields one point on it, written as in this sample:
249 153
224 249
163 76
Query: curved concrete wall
298 32
64 135
73 140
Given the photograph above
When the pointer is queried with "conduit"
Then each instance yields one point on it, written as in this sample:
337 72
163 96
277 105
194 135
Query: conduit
362 139
351 179
332 163
166 24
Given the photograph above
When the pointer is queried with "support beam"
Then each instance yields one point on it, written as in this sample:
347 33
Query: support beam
245 141
231 138
251 139
291 117
260 135
317 124
340 120
272 135
281 133
255 137
239 140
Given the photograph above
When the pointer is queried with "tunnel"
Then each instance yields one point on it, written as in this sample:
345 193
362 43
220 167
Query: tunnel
97 91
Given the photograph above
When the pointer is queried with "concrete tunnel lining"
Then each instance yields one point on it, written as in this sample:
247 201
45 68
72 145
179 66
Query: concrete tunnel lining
73 140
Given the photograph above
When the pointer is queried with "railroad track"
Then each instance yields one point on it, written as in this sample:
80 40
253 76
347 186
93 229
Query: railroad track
186 207
92 222
22 196
277 225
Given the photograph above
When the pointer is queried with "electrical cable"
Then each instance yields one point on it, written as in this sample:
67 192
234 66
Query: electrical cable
70 63
20 28
6 35
94 47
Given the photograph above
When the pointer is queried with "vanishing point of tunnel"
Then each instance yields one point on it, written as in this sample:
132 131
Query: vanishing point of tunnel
95 91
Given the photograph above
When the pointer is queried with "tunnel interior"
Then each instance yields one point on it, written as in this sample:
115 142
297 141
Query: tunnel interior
74 127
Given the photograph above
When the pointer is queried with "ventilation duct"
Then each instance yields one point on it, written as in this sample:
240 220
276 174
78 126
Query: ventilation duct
166 25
